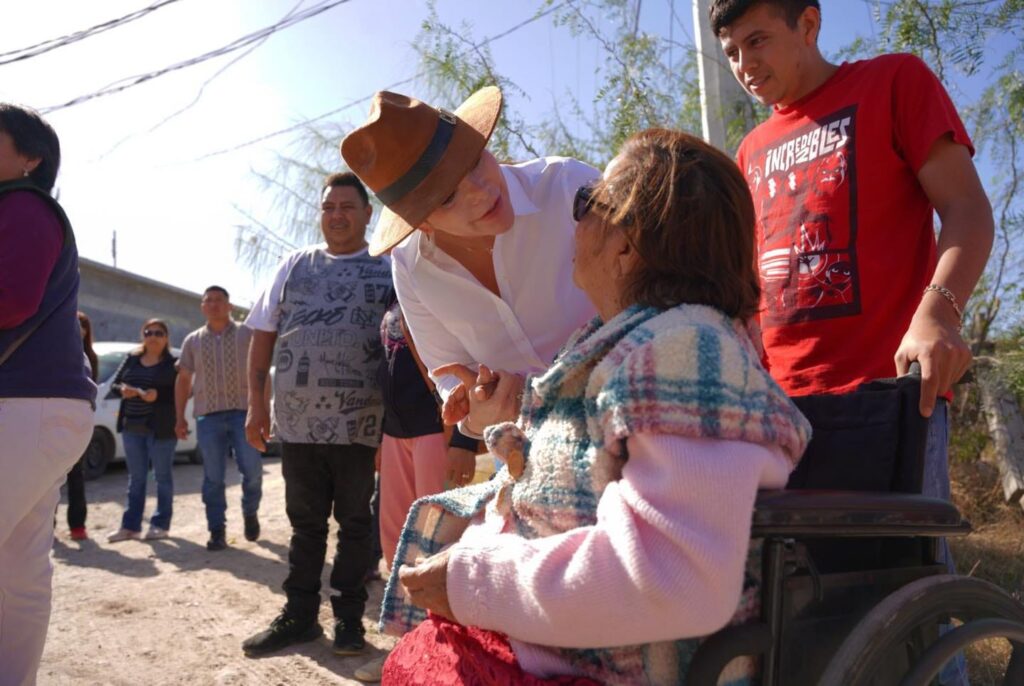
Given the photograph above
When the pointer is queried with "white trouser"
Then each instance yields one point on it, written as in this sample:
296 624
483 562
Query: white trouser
40 440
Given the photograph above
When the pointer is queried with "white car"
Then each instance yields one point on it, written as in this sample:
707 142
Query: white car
106 445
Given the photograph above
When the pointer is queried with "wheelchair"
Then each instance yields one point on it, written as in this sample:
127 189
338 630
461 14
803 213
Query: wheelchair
852 590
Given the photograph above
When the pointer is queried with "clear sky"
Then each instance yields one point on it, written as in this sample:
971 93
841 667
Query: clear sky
175 214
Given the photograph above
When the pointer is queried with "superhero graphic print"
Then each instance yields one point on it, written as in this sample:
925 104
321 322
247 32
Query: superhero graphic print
804 188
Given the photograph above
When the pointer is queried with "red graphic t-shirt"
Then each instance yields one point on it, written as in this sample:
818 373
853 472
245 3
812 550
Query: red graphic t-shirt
845 238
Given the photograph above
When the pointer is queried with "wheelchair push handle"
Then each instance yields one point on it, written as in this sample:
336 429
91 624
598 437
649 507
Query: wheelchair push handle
914 370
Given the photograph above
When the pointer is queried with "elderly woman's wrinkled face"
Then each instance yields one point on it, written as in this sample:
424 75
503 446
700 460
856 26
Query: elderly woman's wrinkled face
586 262
599 262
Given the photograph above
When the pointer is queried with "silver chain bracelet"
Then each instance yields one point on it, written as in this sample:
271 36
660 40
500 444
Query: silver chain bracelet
948 295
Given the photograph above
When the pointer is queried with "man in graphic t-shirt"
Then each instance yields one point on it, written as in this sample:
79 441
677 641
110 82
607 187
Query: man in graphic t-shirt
323 311
845 175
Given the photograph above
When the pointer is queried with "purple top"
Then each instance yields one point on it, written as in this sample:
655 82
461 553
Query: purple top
39 299
27 257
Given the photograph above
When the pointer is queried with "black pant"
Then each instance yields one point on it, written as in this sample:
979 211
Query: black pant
375 509
317 480
76 497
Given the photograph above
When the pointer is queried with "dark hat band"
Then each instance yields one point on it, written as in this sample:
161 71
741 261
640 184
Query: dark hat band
425 164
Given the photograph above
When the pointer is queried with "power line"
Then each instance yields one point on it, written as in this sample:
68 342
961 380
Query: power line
131 81
365 98
53 43
202 89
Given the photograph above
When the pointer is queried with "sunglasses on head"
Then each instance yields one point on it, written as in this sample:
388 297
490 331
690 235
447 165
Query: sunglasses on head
153 332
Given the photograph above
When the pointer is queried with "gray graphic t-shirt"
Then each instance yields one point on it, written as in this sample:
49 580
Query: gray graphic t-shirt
328 349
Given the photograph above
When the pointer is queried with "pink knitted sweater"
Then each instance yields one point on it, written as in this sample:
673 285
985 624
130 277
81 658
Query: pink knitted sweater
669 546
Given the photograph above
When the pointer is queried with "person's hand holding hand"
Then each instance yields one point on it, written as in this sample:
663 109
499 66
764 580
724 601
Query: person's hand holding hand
934 342
484 397
426 584
461 466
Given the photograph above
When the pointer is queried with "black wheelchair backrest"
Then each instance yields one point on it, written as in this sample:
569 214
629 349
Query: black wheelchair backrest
872 439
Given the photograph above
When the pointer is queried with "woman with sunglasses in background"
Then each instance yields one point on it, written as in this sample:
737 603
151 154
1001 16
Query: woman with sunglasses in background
145 383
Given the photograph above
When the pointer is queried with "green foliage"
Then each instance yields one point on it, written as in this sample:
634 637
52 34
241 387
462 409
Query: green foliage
1012 371
966 442
644 80
969 434
292 186
453 66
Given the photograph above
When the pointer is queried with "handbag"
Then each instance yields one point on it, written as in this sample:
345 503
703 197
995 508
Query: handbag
137 425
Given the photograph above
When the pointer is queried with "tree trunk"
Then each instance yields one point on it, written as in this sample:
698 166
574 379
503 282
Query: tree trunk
1005 427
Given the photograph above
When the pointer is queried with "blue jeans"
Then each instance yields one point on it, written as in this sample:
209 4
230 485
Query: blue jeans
936 485
936 468
217 433
141 451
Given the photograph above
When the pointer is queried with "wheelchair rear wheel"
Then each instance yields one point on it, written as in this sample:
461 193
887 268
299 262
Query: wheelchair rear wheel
894 635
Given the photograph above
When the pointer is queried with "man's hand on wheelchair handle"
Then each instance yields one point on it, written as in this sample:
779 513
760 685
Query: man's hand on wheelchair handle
935 343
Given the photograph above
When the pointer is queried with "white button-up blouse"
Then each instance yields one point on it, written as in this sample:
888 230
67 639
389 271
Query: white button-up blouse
452 317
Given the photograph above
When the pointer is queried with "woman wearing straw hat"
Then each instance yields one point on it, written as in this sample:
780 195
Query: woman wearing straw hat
481 251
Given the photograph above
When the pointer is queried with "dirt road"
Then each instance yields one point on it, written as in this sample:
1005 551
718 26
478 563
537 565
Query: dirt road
170 612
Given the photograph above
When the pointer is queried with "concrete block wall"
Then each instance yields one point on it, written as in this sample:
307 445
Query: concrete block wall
118 302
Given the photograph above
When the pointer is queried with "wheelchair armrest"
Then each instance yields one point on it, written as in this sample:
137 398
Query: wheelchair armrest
854 513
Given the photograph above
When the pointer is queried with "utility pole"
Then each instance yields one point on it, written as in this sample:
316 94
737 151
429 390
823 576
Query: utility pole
722 99
113 248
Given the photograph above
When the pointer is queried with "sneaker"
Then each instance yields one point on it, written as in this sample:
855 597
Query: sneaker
370 672
284 631
124 535
348 637
252 527
155 533
217 540
79 534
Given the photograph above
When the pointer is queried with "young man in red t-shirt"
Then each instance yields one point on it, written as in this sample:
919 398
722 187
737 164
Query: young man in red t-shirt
845 175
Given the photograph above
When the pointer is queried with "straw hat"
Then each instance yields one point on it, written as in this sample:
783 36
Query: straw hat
413 156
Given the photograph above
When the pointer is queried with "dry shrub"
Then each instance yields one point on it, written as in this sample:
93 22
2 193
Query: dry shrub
995 549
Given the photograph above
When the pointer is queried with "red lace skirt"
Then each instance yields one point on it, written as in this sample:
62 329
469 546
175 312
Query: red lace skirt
442 653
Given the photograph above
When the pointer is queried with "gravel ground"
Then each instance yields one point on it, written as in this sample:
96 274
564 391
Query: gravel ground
170 612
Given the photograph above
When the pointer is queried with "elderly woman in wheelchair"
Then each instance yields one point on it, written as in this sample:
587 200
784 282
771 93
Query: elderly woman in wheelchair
619 532
626 541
